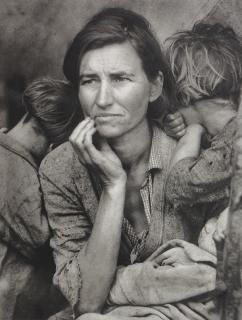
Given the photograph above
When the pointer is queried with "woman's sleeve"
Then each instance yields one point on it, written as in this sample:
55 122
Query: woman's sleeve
70 226
202 180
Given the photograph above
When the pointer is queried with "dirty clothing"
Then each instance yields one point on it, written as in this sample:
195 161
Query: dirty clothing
149 283
25 264
192 310
205 179
72 195
151 287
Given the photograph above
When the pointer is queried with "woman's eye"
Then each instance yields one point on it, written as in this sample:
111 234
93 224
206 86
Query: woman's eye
120 79
88 82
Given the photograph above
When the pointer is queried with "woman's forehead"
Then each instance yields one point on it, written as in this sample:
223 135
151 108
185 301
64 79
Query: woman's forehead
111 58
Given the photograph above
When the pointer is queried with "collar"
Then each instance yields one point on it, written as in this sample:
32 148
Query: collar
10 144
156 158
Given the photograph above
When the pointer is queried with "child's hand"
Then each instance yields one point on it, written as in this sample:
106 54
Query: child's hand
174 125
221 226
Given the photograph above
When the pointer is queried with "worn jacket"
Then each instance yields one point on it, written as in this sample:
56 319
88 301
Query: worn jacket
72 194
26 268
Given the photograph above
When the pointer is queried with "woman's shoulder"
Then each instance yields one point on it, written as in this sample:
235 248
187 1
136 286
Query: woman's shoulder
62 155
62 161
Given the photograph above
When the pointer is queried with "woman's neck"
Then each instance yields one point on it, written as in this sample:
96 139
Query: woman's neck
133 148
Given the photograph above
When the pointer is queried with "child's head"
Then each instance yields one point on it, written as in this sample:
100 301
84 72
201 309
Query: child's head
54 106
206 63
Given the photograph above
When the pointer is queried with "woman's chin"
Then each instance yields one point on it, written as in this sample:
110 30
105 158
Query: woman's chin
108 132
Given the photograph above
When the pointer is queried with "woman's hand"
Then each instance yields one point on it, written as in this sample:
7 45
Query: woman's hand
102 159
98 261
174 125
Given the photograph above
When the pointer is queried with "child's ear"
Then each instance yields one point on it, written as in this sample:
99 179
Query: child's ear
156 87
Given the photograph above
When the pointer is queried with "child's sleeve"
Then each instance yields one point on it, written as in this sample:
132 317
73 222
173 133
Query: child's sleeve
203 179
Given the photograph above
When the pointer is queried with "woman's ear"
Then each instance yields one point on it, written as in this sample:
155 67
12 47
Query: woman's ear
156 87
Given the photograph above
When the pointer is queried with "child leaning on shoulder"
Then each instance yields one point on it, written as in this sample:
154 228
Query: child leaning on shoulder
207 65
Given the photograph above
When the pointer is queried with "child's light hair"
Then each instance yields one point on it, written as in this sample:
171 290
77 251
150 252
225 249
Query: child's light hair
206 63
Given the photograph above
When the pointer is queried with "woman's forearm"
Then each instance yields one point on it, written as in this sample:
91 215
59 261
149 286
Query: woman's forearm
99 264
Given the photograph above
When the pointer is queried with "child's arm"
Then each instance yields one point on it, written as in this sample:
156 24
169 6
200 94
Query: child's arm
189 144
206 177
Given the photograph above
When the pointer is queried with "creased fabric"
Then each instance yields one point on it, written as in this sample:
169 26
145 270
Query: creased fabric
144 284
192 310
72 194
147 291
205 179
23 223
26 266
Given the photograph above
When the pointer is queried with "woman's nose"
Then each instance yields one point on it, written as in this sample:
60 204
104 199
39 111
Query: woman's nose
105 95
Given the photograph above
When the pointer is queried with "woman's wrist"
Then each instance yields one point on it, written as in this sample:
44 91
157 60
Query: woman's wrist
116 186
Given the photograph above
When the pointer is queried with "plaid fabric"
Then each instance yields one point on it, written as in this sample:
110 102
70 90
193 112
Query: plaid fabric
72 196
155 163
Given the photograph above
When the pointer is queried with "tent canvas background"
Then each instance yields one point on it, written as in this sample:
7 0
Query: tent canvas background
35 34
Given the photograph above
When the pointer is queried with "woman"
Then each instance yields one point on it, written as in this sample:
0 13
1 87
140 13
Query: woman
105 191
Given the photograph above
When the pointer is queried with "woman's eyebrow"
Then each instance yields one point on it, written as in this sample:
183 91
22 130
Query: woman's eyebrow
87 75
112 74
122 73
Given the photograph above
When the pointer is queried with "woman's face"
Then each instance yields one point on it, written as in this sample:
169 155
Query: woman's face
114 89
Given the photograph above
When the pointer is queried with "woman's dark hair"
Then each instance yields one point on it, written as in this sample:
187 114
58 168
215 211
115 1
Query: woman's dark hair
206 63
55 107
118 25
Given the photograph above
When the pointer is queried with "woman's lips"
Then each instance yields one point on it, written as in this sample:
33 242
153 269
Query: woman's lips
106 116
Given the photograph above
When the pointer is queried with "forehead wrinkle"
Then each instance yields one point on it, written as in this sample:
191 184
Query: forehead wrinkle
117 65
101 63
89 66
